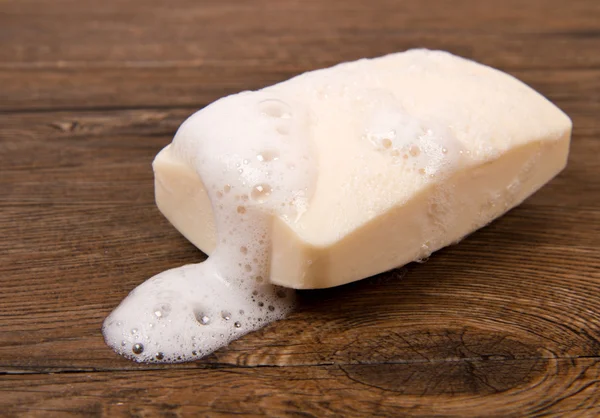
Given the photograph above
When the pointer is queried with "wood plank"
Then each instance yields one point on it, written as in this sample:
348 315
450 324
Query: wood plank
196 32
550 387
122 88
208 49
53 316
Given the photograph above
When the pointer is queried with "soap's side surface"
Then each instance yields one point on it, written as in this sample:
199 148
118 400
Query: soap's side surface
379 203
439 216
182 198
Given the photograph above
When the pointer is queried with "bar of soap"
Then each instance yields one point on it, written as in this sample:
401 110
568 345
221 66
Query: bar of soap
413 151
327 178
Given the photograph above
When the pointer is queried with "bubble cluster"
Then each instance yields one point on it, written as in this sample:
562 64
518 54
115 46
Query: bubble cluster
261 192
424 146
258 167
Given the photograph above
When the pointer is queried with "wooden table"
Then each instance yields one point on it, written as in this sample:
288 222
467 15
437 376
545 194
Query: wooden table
507 323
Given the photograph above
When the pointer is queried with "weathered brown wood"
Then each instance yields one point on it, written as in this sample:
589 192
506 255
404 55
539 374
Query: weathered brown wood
507 323
155 34
140 54
547 387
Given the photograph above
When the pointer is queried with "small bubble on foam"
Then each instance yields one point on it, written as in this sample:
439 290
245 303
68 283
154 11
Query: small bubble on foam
275 109
227 188
259 279
425 251
219 195
202 318
422 171
159 356
123 343
244 250
248 268
237 324
226 315
261 192
134 331
271 308
162 311
119 323
241 210
137 348
267 156
414 150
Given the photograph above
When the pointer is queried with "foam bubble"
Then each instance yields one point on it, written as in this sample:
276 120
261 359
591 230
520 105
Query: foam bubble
188 312
261 192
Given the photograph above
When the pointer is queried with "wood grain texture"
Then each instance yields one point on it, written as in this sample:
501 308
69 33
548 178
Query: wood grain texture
506 323
335 390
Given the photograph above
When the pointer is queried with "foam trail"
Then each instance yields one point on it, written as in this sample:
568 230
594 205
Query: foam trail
259 167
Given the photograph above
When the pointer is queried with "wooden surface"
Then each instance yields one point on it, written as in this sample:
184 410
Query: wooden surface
507 323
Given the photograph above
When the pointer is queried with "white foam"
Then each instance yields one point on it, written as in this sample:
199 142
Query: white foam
253 154
425 146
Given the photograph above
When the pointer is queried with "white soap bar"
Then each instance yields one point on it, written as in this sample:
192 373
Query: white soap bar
414 151
328 178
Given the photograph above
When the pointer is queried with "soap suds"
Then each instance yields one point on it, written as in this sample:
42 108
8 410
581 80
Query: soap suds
424 146
255 167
